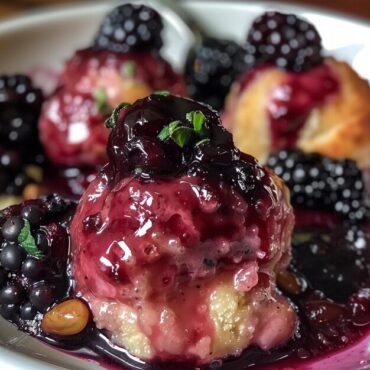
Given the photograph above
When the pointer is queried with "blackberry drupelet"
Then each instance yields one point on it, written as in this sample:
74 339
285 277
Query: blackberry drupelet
211 67
285 40
322 183
130 27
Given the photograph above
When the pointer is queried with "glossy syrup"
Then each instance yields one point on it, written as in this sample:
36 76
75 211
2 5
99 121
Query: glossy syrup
335 317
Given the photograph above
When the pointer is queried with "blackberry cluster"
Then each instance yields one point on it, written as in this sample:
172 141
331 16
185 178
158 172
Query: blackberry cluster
285 40
20 107
211 67
130 27
322 183
33 259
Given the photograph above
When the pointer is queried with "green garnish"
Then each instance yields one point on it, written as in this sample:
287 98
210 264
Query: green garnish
168 130
128 69
197 118
112 120
27 241
203 141
182 135
100 97
161 93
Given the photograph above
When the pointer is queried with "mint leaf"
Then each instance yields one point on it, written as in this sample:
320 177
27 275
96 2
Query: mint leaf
100 97
182 135
128 69
197 118
168 130
161 93
113 119
27 241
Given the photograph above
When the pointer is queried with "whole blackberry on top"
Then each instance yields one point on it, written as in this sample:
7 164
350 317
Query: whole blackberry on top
285 40
322 183
130 27
211 67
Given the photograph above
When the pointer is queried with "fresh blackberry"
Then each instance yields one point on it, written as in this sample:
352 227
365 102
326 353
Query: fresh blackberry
323 183
211 67
20 107
285 40
130 27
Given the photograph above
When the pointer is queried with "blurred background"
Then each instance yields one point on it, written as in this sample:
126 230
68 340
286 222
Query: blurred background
359 8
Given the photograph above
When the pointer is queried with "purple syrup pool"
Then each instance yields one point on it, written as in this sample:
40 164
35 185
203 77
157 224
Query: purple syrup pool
334 304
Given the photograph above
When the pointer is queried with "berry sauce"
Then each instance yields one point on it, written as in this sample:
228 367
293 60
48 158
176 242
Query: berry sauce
292 102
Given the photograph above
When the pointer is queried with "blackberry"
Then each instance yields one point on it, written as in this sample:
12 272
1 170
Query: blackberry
34 259
285 40
130 27
211 67
20 107
322 183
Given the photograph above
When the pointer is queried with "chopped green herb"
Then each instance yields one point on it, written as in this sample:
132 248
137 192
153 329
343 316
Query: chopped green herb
128 69
198 119
204 141
100 97
27 241
181 135
112 120
162 93
167 131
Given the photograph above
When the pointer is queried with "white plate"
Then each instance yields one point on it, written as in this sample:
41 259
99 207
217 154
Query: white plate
48 38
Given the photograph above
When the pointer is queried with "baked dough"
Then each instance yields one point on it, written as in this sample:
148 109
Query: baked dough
340 128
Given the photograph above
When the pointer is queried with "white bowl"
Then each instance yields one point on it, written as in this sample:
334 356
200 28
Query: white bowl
46 39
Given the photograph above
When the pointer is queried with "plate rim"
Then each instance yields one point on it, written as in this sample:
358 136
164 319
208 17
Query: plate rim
48 12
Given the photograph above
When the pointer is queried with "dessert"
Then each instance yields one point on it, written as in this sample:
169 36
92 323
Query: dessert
178 254
182 267
123 64
292 96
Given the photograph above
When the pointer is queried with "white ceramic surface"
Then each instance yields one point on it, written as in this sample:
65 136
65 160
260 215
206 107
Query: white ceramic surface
48 38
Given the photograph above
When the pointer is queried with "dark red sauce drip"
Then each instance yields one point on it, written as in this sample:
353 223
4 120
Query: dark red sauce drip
292 102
